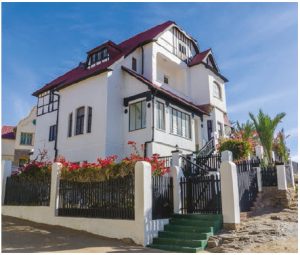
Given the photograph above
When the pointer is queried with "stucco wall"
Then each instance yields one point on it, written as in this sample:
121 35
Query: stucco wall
8 148
88 93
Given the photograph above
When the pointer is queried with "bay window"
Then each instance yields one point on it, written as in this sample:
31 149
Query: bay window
137 115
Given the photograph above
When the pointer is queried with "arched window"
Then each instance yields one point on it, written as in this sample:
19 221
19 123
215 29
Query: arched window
217 91
79 120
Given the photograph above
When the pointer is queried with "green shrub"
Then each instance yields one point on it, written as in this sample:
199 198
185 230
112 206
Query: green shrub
240 149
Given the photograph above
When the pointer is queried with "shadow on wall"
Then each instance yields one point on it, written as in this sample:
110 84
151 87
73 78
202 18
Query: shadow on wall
152 227
26 236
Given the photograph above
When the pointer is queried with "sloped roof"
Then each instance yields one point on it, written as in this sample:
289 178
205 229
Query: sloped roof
165 92
115 51
7 132
198 58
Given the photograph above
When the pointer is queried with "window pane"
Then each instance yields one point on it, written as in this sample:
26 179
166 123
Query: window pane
174 121
184 125
179 123
138 115
132 117
143 103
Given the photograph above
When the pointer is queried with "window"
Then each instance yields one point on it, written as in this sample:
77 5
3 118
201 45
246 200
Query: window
26 139
137 115
220 129
52 133
180 123
133 64
160 115
89 121
98 57
70 124
217 90
79 121
209 129
182 49
166 79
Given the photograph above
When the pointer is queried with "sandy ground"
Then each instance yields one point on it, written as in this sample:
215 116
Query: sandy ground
25 236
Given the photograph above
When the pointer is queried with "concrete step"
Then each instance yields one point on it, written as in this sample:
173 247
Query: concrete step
196 222
185 235
191 229
199 216
181 242
177 248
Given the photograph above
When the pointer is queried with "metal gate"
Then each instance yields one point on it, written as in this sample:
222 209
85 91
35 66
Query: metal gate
201 194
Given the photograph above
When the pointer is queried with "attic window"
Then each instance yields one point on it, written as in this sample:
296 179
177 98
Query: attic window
98 57
182 49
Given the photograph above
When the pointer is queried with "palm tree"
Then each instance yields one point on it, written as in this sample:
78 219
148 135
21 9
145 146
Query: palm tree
245 129
265 127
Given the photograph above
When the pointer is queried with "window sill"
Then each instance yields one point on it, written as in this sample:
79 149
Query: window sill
189 139
137 129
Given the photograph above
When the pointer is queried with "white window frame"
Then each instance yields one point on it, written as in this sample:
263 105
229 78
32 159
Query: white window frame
157 119
143 110
217 90
187 128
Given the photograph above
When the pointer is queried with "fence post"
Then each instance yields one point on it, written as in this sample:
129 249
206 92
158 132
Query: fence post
259 179
176 158
176 173
292 172
143 200
229 192
55 176
5 172
281 177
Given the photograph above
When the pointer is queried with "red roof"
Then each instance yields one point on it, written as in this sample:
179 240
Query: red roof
115 51
198 58
8 132
168 93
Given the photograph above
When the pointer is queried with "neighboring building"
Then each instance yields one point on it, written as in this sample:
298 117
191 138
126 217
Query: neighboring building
156 88
18 142
8 142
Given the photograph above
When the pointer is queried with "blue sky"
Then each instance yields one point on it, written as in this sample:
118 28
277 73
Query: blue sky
255 45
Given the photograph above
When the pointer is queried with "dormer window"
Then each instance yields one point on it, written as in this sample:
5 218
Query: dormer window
182 49
98 58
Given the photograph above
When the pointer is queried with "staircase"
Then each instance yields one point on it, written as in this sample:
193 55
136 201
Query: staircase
187 233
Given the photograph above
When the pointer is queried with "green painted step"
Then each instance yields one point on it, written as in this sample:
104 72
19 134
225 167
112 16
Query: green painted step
177 248
181 242
191 229
184 235
195 222
199 216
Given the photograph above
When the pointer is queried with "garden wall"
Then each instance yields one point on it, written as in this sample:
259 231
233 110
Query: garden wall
141 230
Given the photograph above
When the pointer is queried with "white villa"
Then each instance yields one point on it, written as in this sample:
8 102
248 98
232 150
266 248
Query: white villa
158 88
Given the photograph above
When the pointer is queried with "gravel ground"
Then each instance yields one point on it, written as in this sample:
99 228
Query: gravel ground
270 230
26 236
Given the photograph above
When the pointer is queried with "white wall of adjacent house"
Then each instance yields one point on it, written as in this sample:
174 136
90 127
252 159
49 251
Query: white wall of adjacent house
91 92
26 125
43 123
8 149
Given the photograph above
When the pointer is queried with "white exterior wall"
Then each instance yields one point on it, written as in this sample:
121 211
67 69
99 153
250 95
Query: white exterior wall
43 124
87 146
8 149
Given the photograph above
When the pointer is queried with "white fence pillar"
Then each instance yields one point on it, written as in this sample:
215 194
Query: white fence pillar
229 191
54 195
176 173
281 177
5 172
143 200
259 179
176 158
290 163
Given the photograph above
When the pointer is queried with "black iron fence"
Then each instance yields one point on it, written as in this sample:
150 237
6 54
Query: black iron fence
191 169
28 192
201 194
210 163
167 160
269 176
112 199
162 197
247 184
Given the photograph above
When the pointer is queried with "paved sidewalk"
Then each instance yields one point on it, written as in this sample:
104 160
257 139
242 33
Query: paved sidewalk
26 236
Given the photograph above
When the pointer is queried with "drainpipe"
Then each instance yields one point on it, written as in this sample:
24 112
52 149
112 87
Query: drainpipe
57 115
152 139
